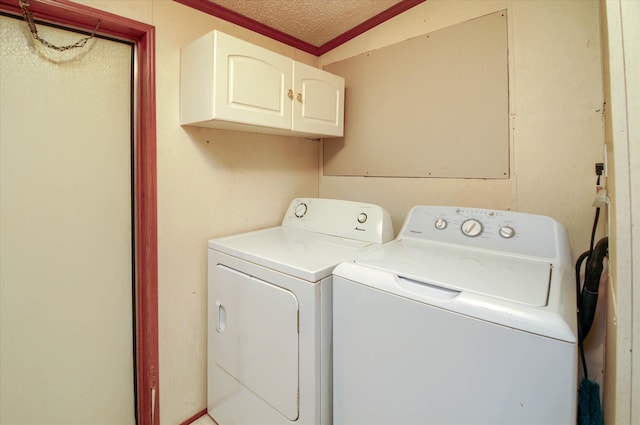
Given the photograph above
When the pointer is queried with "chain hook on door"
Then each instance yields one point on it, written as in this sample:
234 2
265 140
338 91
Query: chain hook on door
28 17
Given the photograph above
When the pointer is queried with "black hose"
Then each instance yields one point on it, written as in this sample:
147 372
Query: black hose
589 294
593 230
579 262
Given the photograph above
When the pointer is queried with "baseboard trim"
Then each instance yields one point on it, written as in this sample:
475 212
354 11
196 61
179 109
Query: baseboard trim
194 417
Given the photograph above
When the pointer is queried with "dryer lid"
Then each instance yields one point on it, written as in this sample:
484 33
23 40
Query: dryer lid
506 277
306 255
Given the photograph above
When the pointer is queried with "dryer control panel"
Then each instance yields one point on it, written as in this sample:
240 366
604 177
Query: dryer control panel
506 231
346 219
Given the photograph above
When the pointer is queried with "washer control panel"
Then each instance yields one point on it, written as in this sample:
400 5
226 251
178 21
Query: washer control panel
473 227
508 231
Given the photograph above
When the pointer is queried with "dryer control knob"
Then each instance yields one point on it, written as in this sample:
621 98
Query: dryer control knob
301 210
362 217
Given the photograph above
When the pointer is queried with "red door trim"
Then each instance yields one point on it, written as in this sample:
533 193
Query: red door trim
72 15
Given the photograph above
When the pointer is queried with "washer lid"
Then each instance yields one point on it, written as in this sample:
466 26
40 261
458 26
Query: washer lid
306 255
465 270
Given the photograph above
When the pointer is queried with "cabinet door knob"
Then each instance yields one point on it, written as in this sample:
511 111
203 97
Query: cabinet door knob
299 97
290 93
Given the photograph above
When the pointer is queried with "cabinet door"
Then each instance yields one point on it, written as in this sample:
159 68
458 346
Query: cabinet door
318 105
229 83
251 84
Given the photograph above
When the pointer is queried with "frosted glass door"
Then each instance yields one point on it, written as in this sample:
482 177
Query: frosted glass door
65 218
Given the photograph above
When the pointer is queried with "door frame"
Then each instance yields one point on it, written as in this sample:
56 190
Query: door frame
80 17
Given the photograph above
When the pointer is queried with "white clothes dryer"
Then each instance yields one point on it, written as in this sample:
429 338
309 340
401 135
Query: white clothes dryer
467 317
269 312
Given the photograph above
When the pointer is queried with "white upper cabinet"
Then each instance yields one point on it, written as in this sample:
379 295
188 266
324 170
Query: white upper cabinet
318 106
250 83
230 83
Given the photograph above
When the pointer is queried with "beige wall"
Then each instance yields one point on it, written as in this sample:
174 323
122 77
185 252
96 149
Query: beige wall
556 123
210 183
555 114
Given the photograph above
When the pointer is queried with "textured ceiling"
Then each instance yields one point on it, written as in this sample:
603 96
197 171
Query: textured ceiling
315 22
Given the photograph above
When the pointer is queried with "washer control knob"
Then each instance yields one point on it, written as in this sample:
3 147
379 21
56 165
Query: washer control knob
507 232
362 217
301 210
471 227
440 223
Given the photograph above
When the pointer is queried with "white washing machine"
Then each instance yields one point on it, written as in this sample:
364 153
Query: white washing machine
467 317
269 311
